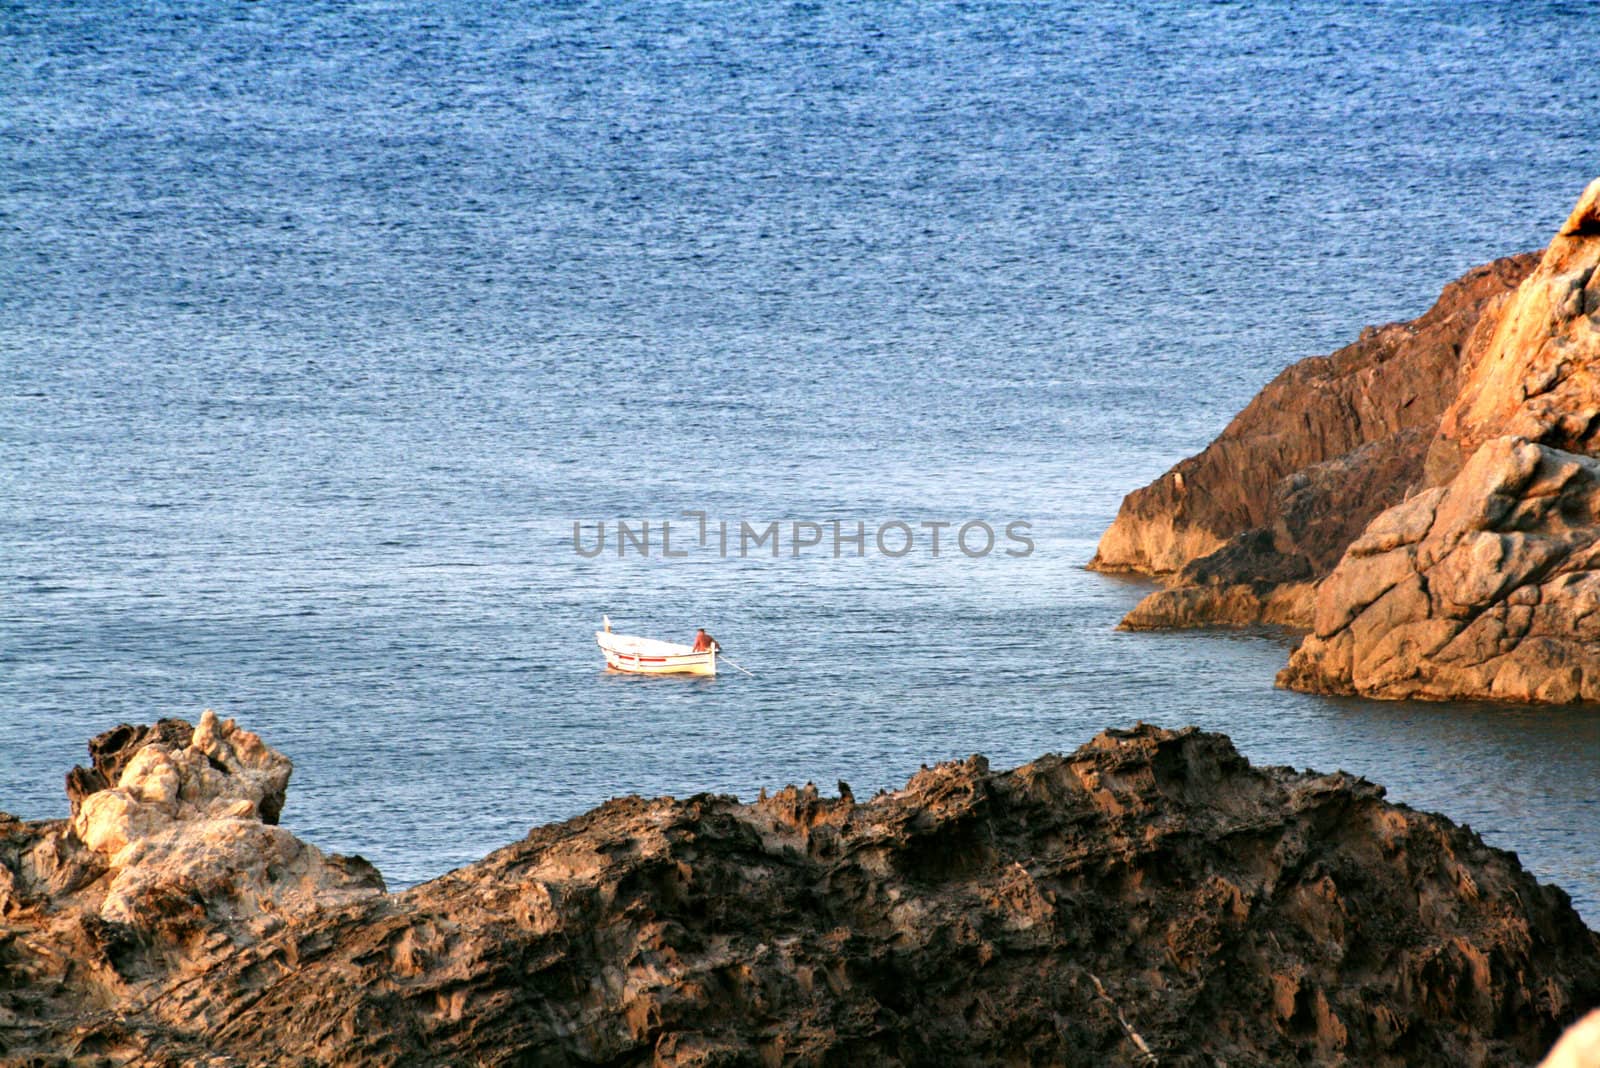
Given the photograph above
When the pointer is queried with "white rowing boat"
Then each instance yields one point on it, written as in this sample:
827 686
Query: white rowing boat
647 656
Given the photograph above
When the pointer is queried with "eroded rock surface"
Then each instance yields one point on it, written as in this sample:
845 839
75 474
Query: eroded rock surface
1482 585
1485 587
1246 581
1148 899
164 869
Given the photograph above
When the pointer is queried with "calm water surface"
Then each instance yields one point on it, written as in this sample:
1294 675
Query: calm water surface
319 326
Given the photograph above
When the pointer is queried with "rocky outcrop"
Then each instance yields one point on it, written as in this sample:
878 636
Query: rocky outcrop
1482 584
1232 605
1246 581
1151 898
1487 587
110 752
1328 444
162 871
1296 548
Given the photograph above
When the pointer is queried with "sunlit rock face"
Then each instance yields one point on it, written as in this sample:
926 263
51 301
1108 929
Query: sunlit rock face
167 867
1482 584
1483 588
1538 375
220 772
1324 447
187 819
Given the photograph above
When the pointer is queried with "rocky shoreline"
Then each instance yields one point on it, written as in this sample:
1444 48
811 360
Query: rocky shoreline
1425 504
1148 899
1317 507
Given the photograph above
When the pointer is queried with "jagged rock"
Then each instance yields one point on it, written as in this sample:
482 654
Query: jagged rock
190 817
110 752
1483 588
1149 898
1327 445
177 775
1504 615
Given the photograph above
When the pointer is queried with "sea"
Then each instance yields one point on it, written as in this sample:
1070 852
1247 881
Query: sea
333 334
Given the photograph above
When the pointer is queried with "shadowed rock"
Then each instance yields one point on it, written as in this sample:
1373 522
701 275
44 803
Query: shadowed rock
1246 581
1151 898
157 876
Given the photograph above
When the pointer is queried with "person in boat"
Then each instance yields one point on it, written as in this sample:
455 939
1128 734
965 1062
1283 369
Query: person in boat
704 641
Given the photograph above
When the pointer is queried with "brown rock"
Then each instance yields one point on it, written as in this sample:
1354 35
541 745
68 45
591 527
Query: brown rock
1149 898
1585 218
110 752
1454 578
1242 605
157 876
1497 596
1245 582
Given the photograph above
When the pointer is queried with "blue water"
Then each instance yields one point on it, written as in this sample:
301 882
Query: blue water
321 325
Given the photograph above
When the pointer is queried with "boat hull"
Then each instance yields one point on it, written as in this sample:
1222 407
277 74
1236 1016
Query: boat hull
639 656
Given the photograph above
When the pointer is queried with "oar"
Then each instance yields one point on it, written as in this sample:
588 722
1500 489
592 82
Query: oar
730 663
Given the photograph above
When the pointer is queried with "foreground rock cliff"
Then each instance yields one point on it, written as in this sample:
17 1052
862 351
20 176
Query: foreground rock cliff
1148 899
1280 519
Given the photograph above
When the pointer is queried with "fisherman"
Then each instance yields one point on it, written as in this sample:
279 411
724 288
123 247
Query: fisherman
704 641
